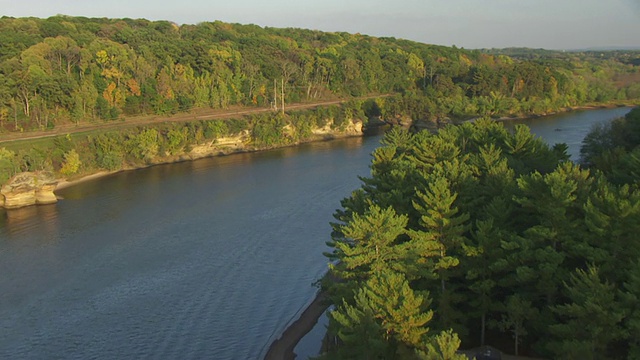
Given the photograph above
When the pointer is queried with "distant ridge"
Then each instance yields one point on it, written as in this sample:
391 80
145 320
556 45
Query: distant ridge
607 48
516 50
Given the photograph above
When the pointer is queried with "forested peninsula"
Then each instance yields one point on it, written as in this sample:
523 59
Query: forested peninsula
481 236
64 72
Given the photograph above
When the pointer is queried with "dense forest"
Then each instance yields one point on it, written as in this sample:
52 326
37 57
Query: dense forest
477 235
74 69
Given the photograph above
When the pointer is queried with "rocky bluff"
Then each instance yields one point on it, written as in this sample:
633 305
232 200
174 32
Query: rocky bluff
28 188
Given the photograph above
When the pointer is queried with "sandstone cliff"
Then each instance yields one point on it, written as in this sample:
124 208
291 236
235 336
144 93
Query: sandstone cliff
28 188
242 141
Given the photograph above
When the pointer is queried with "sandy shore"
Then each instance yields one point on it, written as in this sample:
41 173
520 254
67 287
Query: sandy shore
63 183
282 349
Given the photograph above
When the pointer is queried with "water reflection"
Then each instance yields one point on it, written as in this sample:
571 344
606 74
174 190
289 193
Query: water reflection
14 222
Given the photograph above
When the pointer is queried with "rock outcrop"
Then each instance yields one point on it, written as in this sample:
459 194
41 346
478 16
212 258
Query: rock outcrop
351 128
28 188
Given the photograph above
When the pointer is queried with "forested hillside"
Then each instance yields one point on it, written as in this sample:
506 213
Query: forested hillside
494 236
75 69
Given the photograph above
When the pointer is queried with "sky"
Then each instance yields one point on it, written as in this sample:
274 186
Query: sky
471 24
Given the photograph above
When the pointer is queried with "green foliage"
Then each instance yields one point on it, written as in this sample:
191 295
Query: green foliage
75 69
366 243
131 147
388 313
145 144
590 321
494 225
8 165
71 164
443 347
614 148
517 313
215 129
176 140
108 151
268 130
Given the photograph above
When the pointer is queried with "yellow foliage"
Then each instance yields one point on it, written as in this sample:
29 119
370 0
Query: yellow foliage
111 73
109 94
71 163
102 57
134 87
465 60
4 114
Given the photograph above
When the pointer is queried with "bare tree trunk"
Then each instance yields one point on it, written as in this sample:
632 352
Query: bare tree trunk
25 97
275 96
282 97
517 333
484 317
15 113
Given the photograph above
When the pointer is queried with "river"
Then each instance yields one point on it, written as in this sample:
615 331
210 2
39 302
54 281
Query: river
204 259
570 128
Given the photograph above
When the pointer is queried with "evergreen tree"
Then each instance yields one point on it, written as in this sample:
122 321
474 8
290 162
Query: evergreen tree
631 304
386 311
517 313
612 216
367 245
443 346
441 224
441 229
590 321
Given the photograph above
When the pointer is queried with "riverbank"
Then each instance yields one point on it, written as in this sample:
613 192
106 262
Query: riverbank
566 110
283 347
64 183
199 152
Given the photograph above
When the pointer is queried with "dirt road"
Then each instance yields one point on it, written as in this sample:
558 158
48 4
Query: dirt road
202 114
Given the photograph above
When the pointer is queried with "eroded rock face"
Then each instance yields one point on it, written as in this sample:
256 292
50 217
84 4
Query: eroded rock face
28 188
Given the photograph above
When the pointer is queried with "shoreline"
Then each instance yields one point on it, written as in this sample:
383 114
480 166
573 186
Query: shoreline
283 347
565 111
64 183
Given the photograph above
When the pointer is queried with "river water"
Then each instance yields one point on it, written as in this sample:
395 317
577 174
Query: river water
570 128
204 259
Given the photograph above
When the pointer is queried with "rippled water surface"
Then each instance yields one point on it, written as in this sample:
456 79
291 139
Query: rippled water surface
204 259
570 128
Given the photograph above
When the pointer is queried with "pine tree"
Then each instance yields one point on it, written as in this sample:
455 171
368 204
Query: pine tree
612 216
360 335
442 230
517 313
590 321
443 346
631 305
480 270
366 245
441 224
387 317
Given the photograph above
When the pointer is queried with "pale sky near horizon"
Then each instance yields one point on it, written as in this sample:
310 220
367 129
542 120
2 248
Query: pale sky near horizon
549 24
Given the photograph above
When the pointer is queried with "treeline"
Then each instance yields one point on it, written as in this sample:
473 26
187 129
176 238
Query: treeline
613 149
76 69
492 237
129 148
